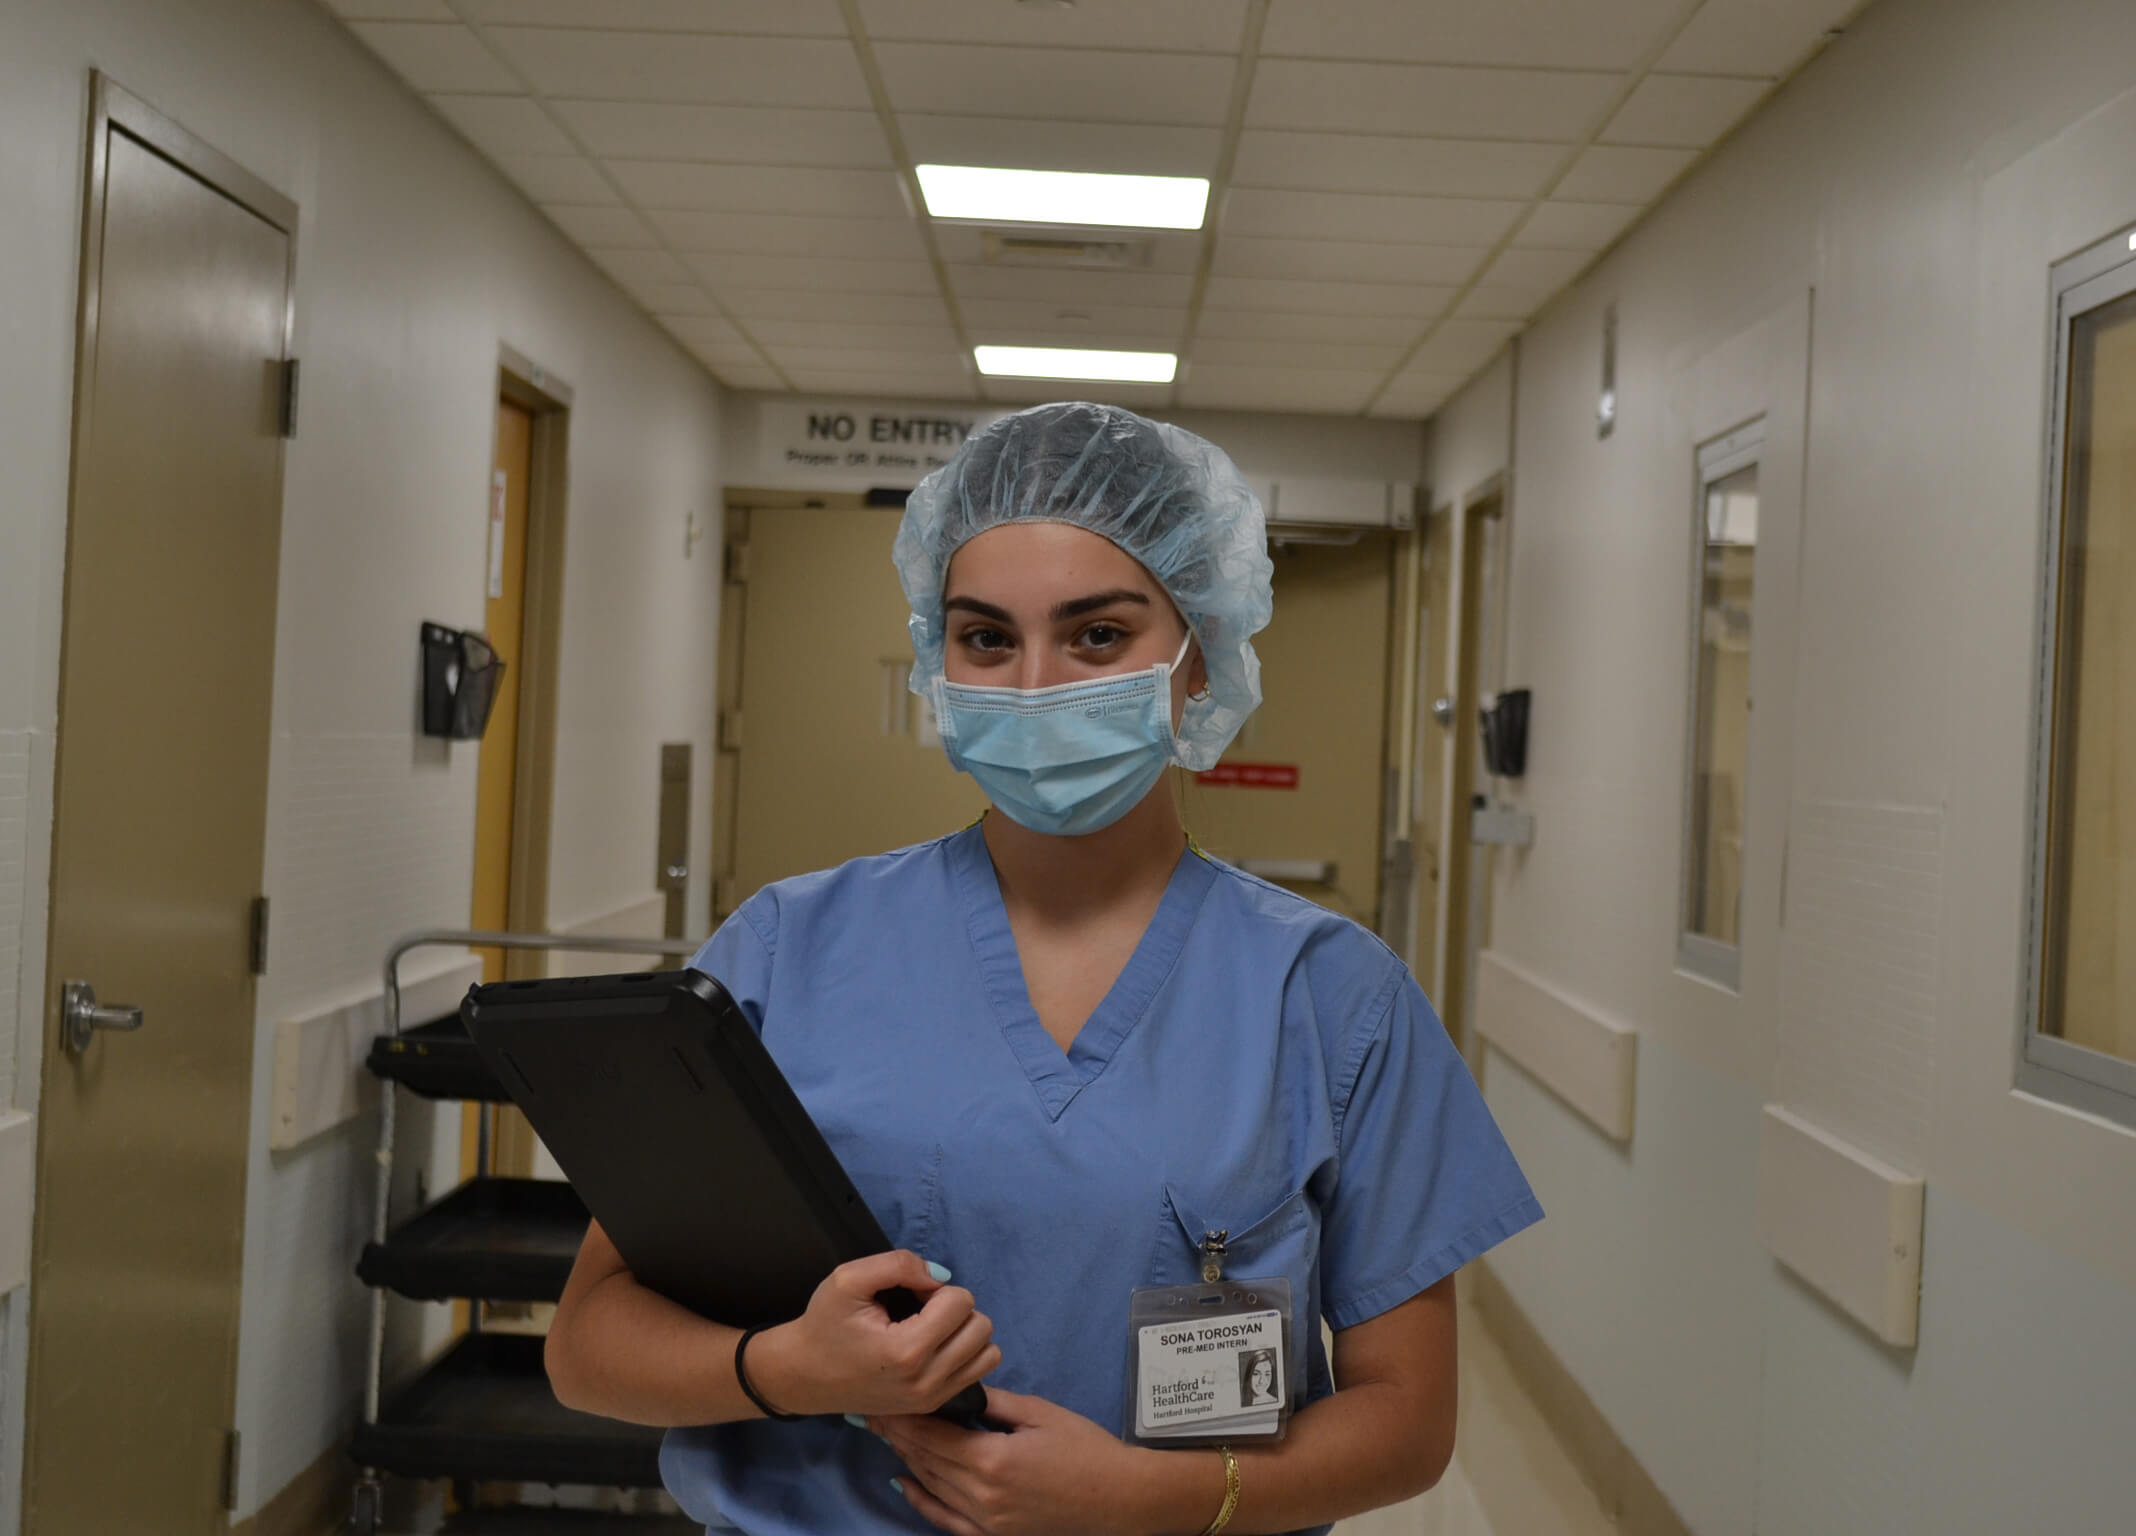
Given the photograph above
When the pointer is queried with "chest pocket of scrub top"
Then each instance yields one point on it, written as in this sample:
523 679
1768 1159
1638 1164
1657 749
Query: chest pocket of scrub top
1258 1245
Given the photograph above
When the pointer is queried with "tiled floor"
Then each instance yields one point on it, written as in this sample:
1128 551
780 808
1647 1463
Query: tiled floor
1510 1476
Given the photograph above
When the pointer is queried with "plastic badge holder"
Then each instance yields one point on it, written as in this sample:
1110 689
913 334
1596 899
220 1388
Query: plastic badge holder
462 675
1215 1360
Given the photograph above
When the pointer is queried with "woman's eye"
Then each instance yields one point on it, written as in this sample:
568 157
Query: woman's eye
985 639
1101 637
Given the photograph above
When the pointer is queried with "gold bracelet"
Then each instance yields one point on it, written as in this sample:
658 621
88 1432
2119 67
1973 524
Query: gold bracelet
1231 1493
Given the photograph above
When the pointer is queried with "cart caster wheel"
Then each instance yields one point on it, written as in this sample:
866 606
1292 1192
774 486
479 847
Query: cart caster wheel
365 1512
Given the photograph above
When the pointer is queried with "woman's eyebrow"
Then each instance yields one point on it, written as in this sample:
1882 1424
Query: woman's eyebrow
1076 607
973 605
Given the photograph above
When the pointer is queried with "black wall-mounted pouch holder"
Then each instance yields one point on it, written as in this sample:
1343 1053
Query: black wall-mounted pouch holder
462 676
1505 734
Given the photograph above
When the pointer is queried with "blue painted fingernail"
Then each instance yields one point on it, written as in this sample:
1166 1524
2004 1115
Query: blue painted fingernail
938 1271
856 1421
900 1487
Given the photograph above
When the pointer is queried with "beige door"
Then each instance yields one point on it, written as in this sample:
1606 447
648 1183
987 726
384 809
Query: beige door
830 757
165 692
1475 665
1324 715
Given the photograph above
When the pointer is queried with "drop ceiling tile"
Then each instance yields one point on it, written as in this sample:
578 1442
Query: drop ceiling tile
1690 111
1358 162
650 130
800 362
1367 216
1078 86
1489 302
1146 326
1620 174
557 178
703 331
1404 301
1169 250
500 126
1553 106
433 57
612 227
1755 37
1267 325
900 384
782 18
722 270
1346 260
854 336
669 298
723 355
761 380
1129 149
1577 226
686 67
1336 356
1321 391
1044 285
391 10
1143 397
1210 26
1081 340
760 189
1415 396
752 304
1461 346
1537 34
639 266
1546 269
791 234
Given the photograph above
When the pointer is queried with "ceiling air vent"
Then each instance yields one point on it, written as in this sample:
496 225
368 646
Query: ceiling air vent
1020 250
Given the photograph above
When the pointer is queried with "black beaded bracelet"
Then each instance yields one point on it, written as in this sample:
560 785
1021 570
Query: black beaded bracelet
741 1376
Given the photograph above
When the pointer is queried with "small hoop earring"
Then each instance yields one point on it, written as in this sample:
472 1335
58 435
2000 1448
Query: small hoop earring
1200 697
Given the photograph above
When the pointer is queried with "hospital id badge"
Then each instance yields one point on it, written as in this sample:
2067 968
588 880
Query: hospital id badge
1209 1364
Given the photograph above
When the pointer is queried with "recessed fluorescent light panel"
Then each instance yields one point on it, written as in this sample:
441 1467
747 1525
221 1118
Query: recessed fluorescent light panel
978 193
1076 363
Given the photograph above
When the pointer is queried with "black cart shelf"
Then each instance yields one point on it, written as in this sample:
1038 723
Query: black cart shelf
483 1411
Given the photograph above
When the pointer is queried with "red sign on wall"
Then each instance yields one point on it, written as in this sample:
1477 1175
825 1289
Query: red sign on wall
1252 775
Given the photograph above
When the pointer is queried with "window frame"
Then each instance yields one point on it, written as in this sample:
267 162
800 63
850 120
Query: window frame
1715 460
2047 1065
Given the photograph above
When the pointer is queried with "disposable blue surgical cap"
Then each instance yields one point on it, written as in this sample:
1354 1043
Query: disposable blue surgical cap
1174 502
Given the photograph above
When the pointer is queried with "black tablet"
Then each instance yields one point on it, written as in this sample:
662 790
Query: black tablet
684 1139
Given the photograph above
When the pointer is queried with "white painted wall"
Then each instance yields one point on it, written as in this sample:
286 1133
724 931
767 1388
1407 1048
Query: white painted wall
415 262
1920 177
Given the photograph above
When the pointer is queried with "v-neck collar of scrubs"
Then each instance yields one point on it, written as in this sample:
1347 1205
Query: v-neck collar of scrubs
1058 1076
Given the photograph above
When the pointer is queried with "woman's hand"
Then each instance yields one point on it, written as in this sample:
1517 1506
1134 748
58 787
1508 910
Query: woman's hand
1054 1471
846 1355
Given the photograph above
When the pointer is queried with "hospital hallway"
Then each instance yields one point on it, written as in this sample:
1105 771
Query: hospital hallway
1333 737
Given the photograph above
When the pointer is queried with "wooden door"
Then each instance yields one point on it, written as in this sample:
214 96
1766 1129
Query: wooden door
166 687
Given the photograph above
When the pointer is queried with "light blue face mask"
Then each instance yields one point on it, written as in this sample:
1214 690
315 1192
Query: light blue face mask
1068 759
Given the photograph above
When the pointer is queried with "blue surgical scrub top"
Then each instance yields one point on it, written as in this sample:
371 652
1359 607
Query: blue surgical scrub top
1262 1065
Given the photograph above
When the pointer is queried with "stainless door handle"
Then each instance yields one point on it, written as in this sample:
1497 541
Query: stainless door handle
81 1016
1442 710
678 873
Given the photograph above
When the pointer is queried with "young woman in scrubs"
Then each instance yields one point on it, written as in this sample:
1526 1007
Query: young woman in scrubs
1055 1050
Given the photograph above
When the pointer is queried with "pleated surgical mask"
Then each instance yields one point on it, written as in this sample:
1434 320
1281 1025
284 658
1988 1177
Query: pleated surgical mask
1064 760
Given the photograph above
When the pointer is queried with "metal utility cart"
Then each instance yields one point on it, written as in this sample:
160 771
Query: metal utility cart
483 1411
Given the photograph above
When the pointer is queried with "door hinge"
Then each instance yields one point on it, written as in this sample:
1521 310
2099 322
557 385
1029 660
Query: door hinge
259 936
730 730
288 414
736 566
723 896
231 1442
